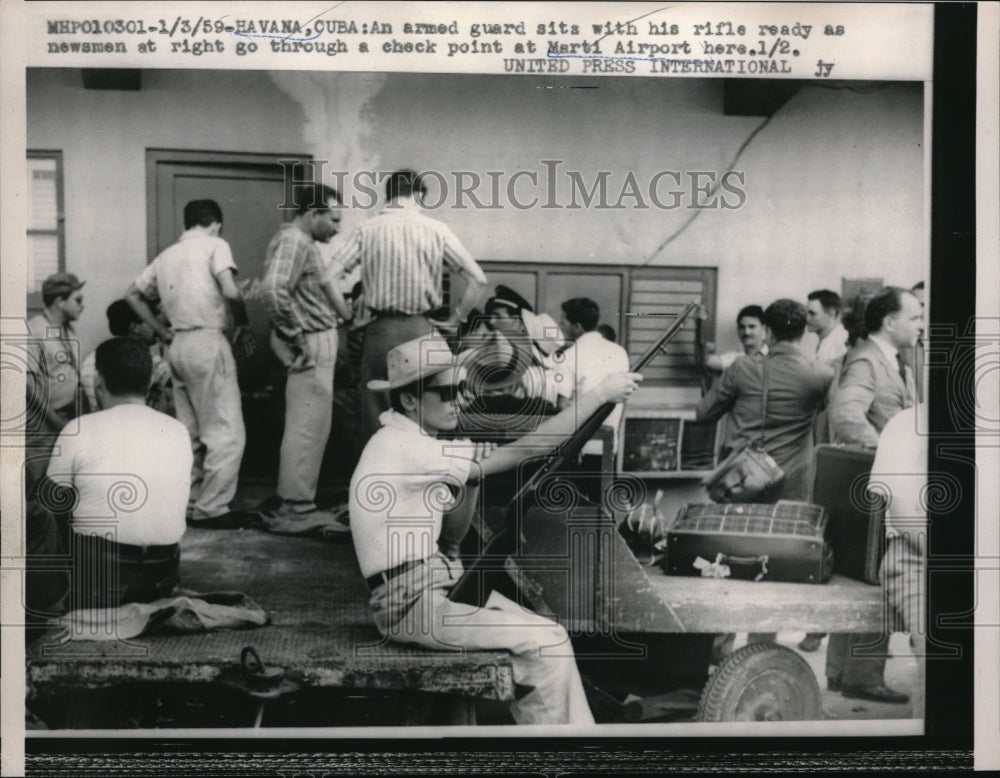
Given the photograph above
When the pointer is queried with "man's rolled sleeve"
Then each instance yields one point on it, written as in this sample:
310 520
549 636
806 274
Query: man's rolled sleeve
145 282
222 258
457 257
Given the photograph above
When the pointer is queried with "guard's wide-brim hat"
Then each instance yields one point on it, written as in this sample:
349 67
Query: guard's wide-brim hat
419 358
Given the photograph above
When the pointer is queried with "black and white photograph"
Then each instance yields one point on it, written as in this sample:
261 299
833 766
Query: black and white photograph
398 385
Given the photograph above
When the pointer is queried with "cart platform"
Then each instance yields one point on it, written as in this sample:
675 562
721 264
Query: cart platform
727 605
321 632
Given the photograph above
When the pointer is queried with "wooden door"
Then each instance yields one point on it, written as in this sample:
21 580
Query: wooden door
250 188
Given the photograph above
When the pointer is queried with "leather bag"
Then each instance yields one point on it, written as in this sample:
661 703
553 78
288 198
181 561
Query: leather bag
856 517
749 474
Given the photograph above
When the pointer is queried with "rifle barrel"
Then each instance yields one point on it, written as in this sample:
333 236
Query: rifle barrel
570 447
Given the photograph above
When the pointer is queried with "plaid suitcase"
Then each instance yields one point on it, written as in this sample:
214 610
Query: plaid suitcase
761 541
855 523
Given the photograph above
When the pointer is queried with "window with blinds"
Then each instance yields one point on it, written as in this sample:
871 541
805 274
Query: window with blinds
639 303
46 244
654 299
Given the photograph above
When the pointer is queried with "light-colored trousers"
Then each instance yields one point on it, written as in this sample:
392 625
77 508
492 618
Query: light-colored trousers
207 400
308 413
903 576
414 608
904 582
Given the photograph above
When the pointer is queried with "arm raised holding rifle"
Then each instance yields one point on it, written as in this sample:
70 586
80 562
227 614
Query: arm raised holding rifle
504 542
401 489
399 493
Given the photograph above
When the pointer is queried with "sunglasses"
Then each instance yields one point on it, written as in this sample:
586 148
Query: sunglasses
447 393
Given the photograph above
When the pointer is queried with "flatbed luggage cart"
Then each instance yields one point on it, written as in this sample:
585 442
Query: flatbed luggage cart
322 639
643 639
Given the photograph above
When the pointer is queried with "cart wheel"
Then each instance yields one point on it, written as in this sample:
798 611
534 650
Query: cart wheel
761 682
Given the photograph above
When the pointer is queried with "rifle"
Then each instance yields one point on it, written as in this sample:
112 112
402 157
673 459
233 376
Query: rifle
504 542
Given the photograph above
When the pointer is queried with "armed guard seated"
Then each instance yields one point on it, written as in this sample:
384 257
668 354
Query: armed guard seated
399 493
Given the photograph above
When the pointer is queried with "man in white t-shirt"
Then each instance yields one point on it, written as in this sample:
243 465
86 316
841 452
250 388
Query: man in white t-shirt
589 359
130 467
194 280
823 318
406 480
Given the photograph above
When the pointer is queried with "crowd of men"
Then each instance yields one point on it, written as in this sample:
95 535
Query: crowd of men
114 414
109 417
847 391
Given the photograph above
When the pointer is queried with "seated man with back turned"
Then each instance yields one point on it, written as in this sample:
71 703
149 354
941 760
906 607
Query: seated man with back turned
398 494
130 467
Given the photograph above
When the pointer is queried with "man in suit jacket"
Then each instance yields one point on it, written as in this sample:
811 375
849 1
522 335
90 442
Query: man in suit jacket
874 385
797 389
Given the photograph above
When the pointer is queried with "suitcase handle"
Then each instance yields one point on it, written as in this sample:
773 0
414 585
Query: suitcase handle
757 562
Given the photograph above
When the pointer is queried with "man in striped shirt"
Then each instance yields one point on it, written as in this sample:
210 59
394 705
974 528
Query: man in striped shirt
303 305
402 254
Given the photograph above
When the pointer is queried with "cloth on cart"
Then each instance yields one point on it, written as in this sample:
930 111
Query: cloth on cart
185 612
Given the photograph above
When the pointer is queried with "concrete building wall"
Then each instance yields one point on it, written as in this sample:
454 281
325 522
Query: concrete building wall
833 181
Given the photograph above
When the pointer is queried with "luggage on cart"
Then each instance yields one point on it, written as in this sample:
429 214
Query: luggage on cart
760 541
855 516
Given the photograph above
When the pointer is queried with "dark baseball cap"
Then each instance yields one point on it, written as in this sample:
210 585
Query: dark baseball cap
59 284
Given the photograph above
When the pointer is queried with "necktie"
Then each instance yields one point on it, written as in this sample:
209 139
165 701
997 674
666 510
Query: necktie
902 367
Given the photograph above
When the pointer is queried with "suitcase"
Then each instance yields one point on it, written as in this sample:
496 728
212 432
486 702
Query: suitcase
854 517
759 541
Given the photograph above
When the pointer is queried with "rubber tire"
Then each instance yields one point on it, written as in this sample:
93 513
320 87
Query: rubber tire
761 682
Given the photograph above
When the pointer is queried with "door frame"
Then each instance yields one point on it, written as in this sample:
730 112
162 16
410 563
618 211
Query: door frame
240 159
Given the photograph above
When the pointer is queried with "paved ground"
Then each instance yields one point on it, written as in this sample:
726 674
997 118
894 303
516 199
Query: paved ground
900 674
